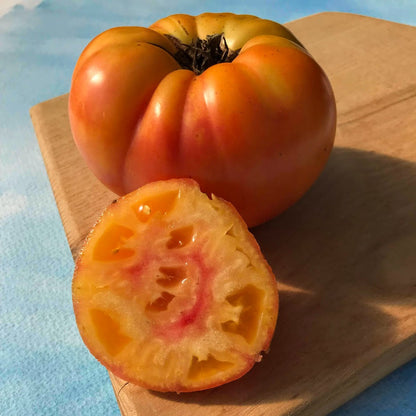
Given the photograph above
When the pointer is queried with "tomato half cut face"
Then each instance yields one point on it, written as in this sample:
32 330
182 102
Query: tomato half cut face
171 291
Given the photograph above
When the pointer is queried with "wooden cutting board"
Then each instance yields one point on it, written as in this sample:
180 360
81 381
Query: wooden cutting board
344 255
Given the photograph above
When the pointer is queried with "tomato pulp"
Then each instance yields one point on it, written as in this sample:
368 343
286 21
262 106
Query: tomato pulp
171 291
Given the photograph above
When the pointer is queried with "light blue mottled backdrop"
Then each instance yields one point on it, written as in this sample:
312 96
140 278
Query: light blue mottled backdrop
44 367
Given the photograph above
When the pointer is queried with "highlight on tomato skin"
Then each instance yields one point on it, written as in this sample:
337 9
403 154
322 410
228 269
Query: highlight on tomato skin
171 291
235 102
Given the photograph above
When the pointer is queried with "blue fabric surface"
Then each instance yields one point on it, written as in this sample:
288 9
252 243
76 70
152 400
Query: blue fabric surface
44 367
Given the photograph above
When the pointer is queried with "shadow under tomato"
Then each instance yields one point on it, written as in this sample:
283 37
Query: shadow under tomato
343 257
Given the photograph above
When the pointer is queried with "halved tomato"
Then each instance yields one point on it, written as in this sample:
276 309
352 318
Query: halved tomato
171 291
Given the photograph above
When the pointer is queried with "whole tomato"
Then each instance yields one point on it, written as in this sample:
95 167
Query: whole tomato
233 101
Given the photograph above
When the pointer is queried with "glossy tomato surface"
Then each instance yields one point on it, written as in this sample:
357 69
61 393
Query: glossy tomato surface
251 118
171 291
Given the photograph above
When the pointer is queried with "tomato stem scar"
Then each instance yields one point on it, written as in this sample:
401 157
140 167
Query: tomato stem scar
203 53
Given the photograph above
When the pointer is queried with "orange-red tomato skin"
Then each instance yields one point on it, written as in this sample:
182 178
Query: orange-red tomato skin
256 131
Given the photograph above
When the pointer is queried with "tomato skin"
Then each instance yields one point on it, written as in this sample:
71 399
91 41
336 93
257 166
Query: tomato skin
107 99
256 131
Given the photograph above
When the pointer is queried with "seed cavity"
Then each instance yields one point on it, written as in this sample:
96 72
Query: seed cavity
200 369
250 300
160 204
161 303
172 276
249 262
181 237
110 246
108 331
231 232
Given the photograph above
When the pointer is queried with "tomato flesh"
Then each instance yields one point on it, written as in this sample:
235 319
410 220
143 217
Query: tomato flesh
171 291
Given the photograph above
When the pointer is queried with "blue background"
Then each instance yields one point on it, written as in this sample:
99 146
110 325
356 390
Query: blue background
44 367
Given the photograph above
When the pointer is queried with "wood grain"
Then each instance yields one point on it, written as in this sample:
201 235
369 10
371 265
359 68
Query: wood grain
343 255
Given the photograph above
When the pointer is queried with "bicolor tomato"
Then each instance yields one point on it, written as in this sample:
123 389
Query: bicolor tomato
233 101
171 291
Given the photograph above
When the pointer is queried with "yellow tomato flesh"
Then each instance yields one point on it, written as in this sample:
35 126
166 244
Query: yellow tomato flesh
171 291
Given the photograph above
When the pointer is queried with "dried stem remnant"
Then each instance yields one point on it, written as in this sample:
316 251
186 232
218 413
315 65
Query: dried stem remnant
203 53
